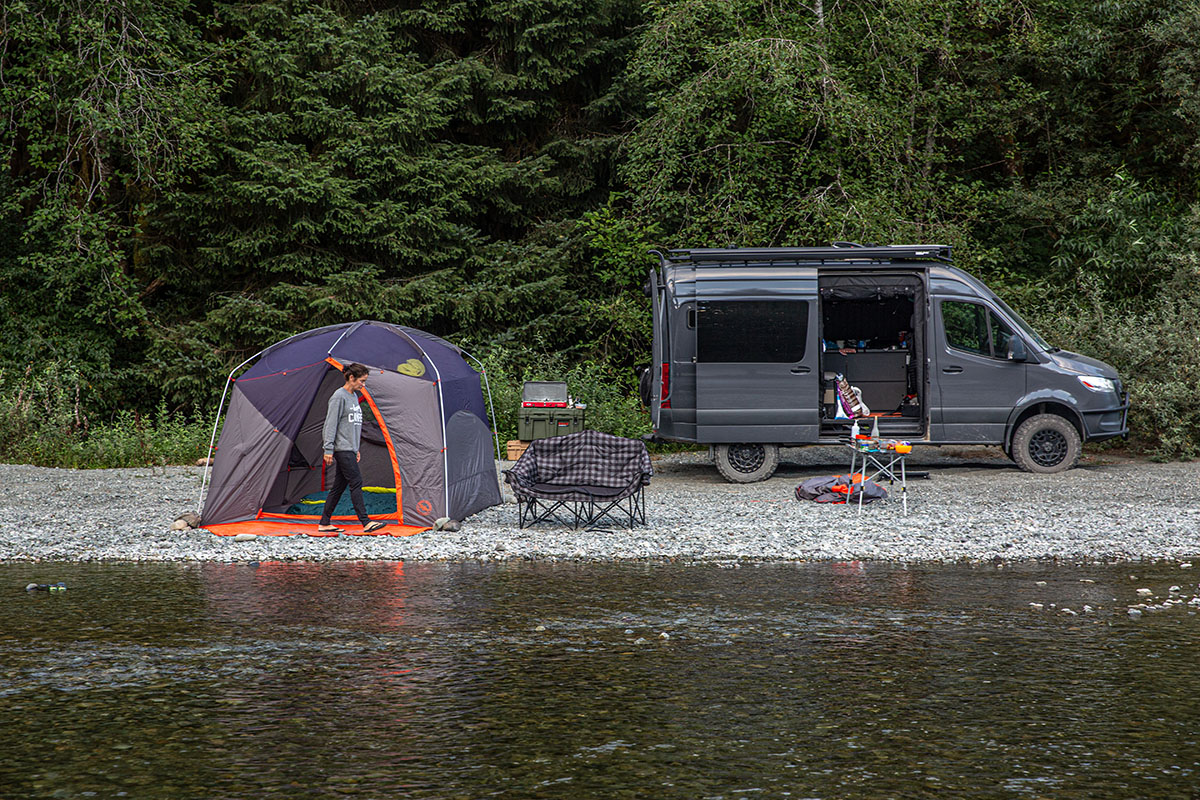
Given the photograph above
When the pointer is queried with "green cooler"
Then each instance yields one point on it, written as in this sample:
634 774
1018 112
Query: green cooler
546 410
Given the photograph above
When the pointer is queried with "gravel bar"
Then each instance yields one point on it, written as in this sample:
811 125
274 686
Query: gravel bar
974 506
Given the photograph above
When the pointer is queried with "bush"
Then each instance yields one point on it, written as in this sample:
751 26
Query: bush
1157 353
42 422
610 394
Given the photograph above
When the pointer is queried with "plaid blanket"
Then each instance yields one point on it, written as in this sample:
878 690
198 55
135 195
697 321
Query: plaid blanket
581 466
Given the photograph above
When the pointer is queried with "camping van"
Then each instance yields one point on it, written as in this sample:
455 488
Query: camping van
750 346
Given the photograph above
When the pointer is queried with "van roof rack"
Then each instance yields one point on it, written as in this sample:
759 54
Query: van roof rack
844 251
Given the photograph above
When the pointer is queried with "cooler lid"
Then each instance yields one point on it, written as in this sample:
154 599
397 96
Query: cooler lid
544 392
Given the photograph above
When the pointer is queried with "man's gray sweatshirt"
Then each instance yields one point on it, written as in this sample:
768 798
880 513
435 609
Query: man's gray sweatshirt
343 422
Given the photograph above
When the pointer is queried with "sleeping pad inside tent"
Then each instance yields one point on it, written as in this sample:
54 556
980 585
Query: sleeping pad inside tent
426 448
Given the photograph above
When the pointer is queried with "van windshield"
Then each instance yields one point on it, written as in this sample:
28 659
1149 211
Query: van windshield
1021 323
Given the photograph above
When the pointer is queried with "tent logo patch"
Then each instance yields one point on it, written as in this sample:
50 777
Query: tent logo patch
425 507
414 367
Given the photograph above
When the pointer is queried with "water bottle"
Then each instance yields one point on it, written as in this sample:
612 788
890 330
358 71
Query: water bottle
854 432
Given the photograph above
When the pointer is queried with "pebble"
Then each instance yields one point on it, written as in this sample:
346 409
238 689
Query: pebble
540 628
962 513
1134 612
1144 592
245 537
1037 606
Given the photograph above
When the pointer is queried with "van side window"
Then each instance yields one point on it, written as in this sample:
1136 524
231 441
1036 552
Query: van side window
966 326
762 331
1001 337
971 327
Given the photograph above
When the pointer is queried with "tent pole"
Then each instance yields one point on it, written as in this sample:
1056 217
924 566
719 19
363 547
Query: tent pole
216 422
491 406
350 329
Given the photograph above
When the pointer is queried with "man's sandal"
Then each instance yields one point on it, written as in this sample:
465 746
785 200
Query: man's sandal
332 529
374 526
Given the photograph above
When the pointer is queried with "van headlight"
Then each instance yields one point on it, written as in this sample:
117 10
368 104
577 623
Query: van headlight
1098 384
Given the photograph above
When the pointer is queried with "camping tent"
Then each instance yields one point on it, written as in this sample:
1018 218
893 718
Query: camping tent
426 445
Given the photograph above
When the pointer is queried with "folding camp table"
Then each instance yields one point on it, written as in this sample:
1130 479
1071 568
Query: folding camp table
874 461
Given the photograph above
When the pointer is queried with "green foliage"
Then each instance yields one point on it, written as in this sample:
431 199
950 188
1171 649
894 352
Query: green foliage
1153 339
610 394
106 106
1116 251
43 421
187 183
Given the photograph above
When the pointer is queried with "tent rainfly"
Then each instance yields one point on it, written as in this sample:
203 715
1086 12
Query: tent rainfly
426 444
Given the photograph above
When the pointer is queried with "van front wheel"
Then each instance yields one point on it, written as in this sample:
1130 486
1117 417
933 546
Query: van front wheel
1046 443
746 463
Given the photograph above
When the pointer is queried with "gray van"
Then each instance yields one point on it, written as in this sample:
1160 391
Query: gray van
748 344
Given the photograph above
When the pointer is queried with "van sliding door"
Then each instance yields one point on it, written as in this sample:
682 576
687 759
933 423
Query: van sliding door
757 372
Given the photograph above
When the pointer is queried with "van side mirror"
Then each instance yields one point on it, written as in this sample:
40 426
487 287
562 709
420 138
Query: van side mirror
1016 350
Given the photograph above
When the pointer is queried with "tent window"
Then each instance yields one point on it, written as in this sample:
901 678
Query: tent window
753 331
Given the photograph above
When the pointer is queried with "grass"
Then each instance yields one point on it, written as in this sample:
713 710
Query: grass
43 422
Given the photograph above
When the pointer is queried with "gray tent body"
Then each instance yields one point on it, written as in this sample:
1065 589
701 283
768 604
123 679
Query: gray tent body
425 434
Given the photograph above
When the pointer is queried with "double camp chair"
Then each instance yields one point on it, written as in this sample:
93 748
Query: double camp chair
584 479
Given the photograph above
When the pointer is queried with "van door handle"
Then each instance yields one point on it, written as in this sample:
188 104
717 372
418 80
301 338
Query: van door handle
801 370
952 369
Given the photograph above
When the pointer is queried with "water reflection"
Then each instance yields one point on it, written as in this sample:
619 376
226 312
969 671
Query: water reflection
435 680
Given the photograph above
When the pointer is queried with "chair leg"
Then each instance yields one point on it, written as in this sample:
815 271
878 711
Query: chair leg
630 508
534 510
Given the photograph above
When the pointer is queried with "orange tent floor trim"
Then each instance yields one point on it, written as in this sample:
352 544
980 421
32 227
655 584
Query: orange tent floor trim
261 527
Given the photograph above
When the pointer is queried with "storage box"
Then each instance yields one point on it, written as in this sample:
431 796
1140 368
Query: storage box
542 423
546 410
516 449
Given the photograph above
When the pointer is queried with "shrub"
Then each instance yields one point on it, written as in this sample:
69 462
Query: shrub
609 393
42 422
1157 353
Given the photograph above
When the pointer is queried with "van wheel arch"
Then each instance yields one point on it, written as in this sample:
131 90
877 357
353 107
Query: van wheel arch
746 463
1059 409
1045 439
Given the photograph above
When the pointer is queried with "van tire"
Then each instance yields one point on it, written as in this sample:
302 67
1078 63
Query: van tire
746 463
1046 443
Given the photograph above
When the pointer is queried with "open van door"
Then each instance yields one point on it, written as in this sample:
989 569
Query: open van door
757 369
659 351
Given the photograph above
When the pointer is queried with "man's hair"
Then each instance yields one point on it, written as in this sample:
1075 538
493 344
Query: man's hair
354 371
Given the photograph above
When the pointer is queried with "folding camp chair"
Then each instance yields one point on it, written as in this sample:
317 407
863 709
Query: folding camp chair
585 478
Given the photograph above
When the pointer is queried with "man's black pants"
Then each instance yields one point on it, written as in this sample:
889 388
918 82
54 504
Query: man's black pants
346 474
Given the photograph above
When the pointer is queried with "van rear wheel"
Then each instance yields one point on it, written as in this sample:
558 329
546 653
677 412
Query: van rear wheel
1046 443
746 463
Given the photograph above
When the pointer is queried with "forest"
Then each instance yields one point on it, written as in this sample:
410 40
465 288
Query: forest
186 182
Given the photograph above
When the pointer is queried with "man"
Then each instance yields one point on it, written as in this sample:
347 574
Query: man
342 436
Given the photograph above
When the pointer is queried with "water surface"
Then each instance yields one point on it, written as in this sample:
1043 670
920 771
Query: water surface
555 680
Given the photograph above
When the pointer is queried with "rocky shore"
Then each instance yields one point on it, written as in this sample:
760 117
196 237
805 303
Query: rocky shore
975 505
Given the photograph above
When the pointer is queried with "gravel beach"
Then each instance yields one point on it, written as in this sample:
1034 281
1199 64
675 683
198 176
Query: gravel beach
974 506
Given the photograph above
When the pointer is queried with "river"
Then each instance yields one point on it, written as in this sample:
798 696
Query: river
657 680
